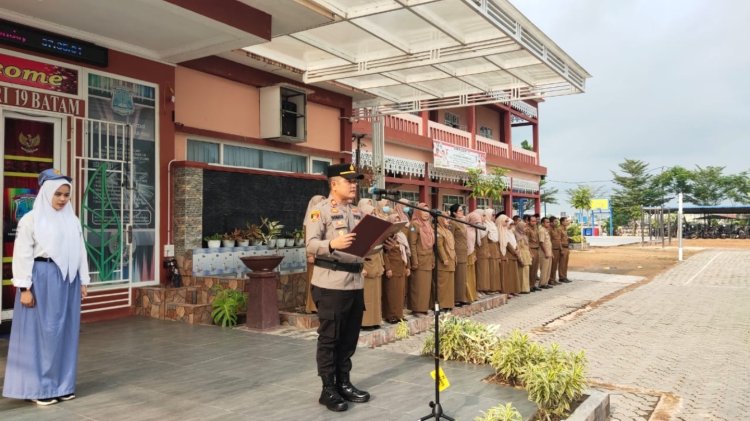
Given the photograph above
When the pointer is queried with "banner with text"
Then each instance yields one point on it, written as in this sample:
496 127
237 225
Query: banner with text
457 158
21 71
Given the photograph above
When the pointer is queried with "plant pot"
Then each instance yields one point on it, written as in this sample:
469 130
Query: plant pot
214 244
243 243
227 243
300 242
257 242
290 242
280 242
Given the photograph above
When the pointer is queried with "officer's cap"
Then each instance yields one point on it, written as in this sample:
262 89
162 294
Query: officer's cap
52 174
344 170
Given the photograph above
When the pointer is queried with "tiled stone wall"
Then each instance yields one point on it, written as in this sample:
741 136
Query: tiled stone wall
226 260
188 209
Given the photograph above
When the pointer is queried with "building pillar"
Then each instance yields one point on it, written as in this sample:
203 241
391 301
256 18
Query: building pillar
378 151
472 204
535 134
471 125
537 205
425 123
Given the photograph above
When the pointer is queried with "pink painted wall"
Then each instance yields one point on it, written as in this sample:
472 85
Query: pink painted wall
489 118
323 128
460 112
393 149
213 103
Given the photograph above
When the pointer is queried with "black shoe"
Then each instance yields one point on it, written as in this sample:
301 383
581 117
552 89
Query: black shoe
348 391
566 280
535 289
330 396
524 292
392 321
368 328
546 286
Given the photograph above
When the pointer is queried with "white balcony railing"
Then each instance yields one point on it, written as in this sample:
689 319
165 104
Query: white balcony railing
407 123
448 134
492 147
522 155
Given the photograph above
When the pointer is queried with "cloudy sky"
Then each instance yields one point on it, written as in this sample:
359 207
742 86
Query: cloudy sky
670 86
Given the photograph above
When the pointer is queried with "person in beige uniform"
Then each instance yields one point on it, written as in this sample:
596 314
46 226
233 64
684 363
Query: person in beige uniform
524 256
472 244
337 287
554 235
310 303
508 259
459 238
545 254
564 249
532 233
397 255
483 255
373 272
421 240
446 265
496 274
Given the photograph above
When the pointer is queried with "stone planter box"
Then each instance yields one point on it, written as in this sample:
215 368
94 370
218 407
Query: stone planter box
594 408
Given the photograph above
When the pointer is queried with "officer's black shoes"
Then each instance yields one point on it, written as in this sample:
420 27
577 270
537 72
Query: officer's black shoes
330 396
348 391
565 280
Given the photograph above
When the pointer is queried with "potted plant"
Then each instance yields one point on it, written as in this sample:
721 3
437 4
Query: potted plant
289 239
299 236
270 231
240 237
227 240
213 241
227 303
254 234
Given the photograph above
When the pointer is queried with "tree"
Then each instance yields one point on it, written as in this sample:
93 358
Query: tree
739 188
526 145
709 187
489 186
547 194
635 189
673 181
580 197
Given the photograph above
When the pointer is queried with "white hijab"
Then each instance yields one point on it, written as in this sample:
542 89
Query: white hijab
58 233
489 223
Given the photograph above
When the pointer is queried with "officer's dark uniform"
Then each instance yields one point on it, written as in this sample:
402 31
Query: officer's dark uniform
337 289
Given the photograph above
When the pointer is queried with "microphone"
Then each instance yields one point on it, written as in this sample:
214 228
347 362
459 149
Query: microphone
379 192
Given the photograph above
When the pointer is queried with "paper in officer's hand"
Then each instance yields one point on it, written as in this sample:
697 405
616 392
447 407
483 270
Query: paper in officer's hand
371 232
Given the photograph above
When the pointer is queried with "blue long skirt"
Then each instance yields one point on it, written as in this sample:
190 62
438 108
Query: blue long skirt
43 348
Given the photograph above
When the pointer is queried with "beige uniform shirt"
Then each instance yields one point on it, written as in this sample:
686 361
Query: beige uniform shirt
545 242
327 220
554 235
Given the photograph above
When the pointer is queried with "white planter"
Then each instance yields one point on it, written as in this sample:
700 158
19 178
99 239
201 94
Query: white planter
280 242
257 242
227 243
243 243
214 244
300 242
290 242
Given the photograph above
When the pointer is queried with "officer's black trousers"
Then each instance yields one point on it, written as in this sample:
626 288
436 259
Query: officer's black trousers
340 314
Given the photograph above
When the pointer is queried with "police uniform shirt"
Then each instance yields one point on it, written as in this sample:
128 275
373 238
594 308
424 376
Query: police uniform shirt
326 221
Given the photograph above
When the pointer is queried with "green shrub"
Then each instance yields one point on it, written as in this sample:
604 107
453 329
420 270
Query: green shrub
226 304
463 340
402 330
513 354
501 413
556 382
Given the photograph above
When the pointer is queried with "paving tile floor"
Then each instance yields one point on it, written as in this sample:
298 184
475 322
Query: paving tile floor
145 369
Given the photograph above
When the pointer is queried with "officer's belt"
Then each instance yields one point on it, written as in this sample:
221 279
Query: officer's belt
535 248
345 267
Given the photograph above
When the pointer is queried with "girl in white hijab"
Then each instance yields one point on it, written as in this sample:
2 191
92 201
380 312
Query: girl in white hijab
51 272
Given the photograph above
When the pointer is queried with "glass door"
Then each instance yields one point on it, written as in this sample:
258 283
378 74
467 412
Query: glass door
29 145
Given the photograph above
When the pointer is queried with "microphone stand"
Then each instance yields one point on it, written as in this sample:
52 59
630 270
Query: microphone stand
437 409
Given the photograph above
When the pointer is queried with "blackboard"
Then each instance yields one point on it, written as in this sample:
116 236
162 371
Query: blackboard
233 199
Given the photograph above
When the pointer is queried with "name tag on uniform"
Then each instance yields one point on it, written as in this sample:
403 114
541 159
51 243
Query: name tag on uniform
338 216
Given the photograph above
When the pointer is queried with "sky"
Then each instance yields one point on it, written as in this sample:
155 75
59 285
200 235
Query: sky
670 86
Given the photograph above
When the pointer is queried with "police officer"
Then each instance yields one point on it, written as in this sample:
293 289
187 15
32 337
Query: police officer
337 286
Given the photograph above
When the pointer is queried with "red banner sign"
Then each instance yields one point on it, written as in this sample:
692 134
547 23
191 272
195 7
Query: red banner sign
41 101
20 71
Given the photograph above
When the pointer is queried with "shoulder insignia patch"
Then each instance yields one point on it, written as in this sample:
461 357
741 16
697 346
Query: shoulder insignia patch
315 215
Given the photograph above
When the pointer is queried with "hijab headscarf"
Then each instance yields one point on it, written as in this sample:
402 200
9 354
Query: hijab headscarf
450 242
58 233
403 243
490 224
366 206
503 233
520 233
473 235
426 235
400 210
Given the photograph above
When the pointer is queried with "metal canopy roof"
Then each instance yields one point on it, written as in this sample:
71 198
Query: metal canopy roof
428 54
